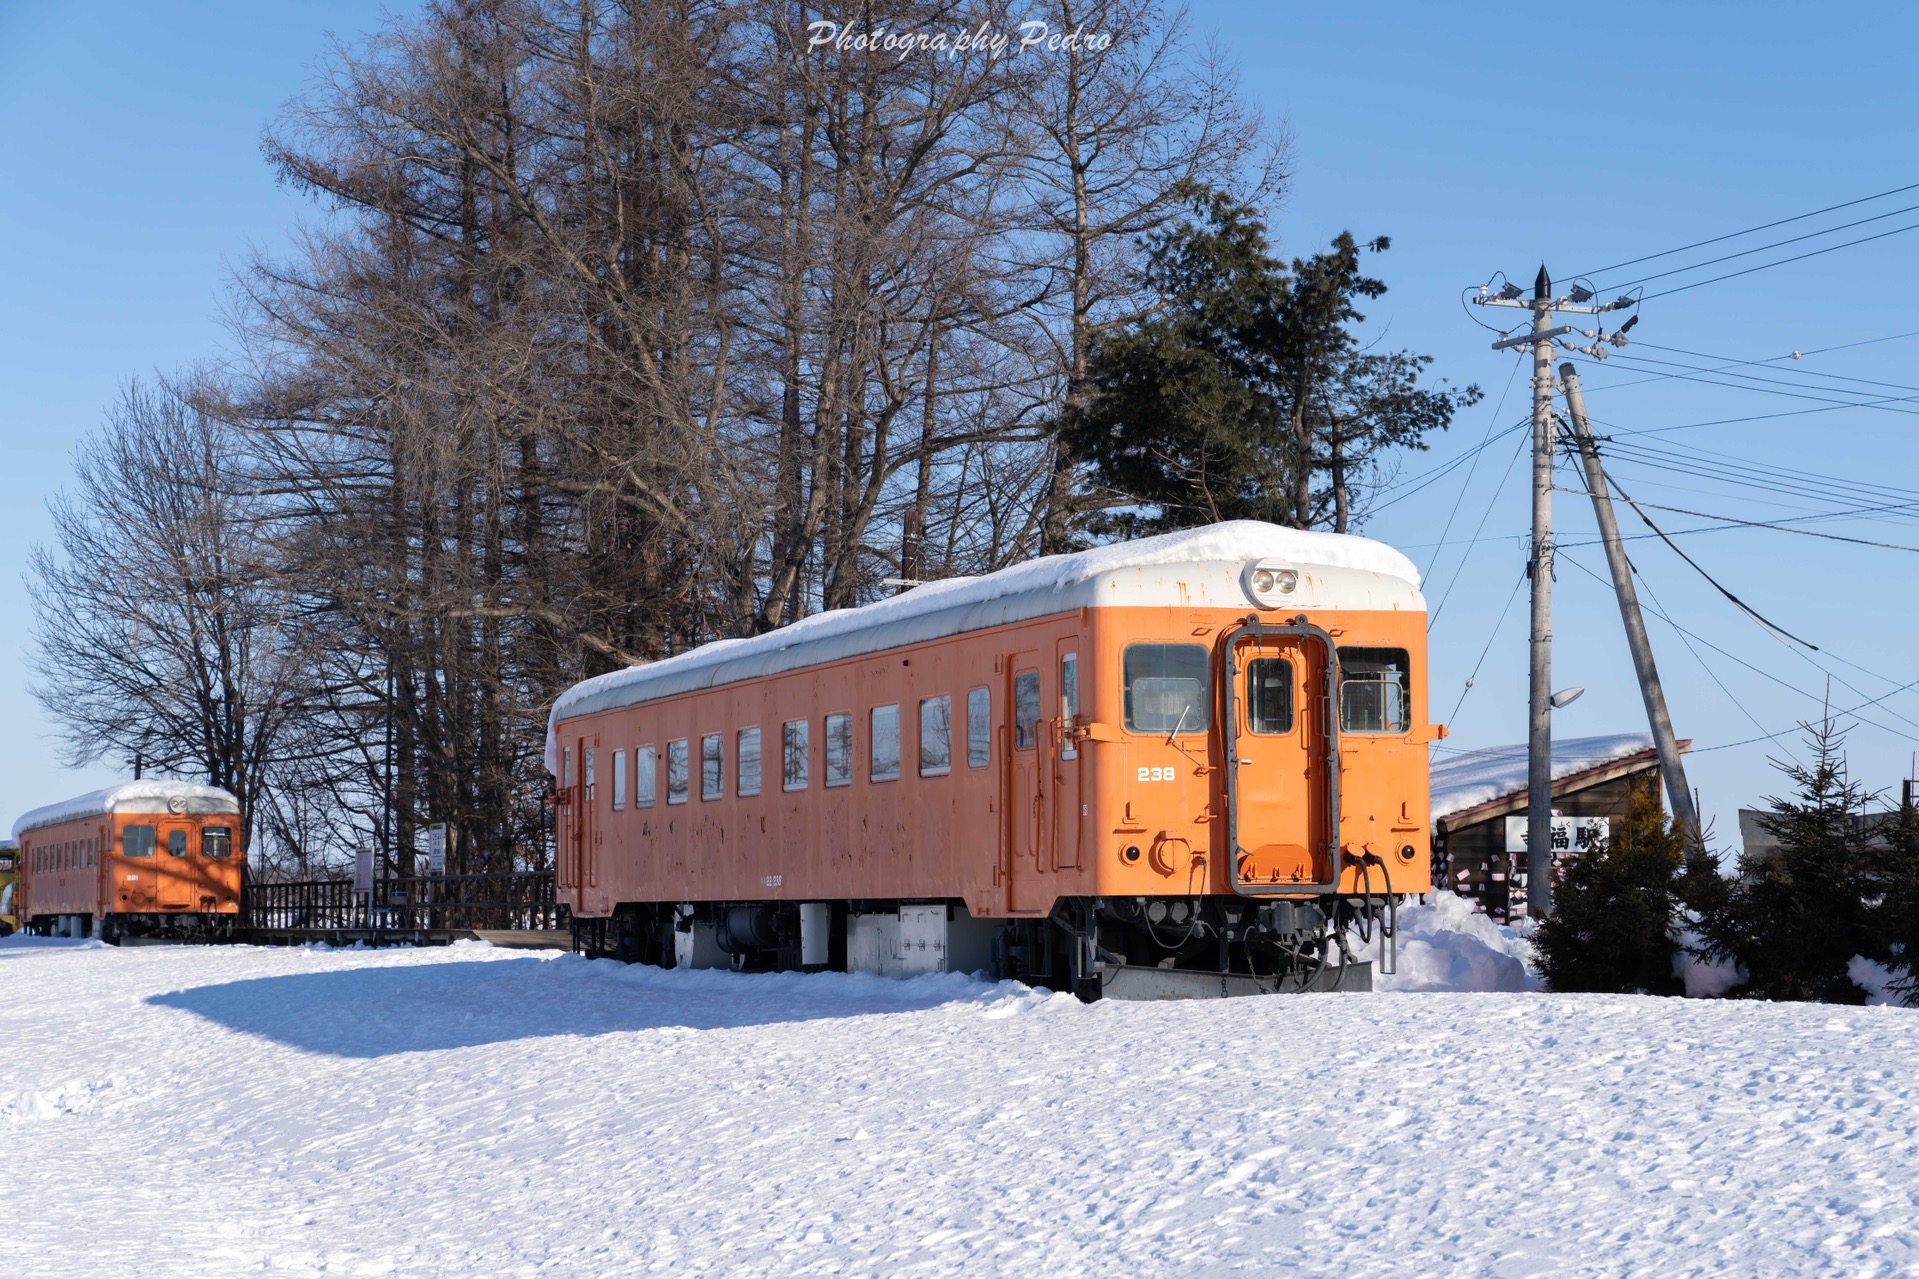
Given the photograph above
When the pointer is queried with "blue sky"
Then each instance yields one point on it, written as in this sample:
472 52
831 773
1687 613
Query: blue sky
1479 140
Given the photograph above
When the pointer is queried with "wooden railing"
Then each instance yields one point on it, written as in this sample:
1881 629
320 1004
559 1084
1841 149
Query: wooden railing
521 900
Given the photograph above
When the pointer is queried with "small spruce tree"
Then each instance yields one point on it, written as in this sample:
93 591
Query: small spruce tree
1895 908
1795 917
1615 907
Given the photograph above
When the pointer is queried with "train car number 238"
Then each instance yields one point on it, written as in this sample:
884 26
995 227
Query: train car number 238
1156 774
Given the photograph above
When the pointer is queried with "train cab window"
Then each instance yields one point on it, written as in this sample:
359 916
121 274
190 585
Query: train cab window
619 781
936 737
1025 710
839 750
176 843
1269 695
886 744
216 841
1168 689
979 728
678 762
1068 704
137 841
796 763
646 776
566 768
586 772
712 767
1375 690
749 762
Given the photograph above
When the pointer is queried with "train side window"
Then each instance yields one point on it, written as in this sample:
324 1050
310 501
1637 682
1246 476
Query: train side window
586 772
979 728
1025 710
137 841
646 779
176 843
796 763
619 781
566 768
886 744
216 841
1167 689
1068 704
712 767
839 750
1269 696
1375 691
936 737
749 754
677 767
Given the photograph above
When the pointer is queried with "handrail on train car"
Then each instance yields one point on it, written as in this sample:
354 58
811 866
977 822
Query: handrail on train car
1300 627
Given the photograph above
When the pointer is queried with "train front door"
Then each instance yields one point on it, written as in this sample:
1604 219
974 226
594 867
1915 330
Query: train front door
1025 786
1283 749
176 863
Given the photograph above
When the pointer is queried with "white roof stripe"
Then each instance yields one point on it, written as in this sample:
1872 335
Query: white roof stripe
150 796
1195 568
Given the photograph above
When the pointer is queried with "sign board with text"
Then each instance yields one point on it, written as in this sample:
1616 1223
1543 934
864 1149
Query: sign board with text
1570 834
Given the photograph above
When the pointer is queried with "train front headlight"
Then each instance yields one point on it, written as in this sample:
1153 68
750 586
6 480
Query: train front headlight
1268 583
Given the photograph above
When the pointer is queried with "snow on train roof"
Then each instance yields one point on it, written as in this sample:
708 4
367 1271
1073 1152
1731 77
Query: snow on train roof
1477 777
1336 571
151 796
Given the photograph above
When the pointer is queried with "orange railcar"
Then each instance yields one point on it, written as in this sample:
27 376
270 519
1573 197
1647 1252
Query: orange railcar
1180 764
147 858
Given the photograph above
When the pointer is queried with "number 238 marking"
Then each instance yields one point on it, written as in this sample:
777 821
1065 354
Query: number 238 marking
1156 774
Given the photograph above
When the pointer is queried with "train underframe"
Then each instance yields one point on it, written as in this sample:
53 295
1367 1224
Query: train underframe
156 926
1094 947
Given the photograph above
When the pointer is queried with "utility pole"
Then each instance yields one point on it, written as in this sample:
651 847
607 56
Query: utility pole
1539 735
1649 688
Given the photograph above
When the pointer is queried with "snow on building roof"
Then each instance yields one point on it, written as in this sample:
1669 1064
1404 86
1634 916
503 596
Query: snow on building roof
1477 777
151 796
1194 568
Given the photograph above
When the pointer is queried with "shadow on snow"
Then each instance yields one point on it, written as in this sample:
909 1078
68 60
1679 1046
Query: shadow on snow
380 1011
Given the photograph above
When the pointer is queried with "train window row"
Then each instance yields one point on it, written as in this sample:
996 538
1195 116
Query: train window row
1168 691
885 757
137 841
73 854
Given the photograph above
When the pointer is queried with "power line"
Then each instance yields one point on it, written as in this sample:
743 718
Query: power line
1492 496
1764 226
1767 266
1742 605
1489 646
1473 470
1776 244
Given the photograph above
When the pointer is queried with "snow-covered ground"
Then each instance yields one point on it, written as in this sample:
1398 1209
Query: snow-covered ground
472 1112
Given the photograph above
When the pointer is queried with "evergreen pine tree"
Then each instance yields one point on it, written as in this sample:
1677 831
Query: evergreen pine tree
1246 393
1615 907
1795 917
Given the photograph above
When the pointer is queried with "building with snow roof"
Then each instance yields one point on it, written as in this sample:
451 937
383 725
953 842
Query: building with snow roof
1475 792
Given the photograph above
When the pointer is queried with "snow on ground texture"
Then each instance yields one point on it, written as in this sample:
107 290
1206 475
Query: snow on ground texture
470 1112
